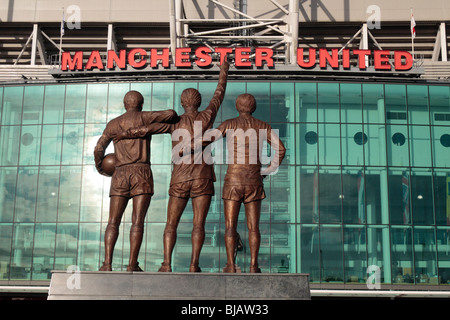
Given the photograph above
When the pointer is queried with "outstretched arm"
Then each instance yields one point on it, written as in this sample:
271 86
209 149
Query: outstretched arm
165 116
143 131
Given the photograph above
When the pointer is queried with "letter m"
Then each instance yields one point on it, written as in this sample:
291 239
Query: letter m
68 63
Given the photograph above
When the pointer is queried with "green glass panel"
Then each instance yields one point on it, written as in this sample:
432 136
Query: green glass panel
12 105
30 145
353 195
282 193
400 196
88 248
425 255
26 193
376 195
351 103
282 102
307 185
441 188
51 144
330 195
282 246
66 245
331 250
309 254
420 146
443 255
21 254
418 109
397 145
353 140
306 102
441 146
378 251
329 144
422 197
355 252
439 104
75 104
54 103
69 194
373 103
8 180
306 141
33 105
48 194
73 135
9 144
91 194
6 235
97 101
43 251
328 102
375 148
402 255
395 101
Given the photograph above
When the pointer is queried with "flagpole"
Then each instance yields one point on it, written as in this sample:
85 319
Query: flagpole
412 35
61 31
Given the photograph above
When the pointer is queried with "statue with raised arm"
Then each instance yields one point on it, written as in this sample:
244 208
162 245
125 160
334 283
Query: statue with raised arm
192 178
132 177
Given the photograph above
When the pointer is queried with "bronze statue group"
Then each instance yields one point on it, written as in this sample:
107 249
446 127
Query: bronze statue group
192 174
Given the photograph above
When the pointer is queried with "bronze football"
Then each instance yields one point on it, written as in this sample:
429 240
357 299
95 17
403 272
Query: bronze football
109 164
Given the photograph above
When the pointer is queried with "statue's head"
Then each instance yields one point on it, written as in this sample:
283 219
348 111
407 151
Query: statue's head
245 103
191 98
133 100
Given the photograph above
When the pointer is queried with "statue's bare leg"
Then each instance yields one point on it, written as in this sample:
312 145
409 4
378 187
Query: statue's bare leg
116 209
231 210
200 206
140 208
175 209
253 213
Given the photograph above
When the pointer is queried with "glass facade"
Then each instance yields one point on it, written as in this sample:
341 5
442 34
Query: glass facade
365 181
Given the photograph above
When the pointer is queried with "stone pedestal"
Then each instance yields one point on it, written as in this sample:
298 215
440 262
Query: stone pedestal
177 286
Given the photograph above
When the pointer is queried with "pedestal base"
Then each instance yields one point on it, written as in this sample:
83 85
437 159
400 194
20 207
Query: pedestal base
177 286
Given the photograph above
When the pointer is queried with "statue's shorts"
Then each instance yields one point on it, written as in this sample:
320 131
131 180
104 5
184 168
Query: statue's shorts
243 193
132 180
192 188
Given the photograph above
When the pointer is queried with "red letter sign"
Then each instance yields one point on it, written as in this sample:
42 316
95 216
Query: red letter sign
77 61
381 60
113 58
155 56
362 57
312 58
132 61
204 58
262 54
242 57
398 55
181 55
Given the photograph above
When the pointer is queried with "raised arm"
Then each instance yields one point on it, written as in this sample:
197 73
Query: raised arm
219 94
